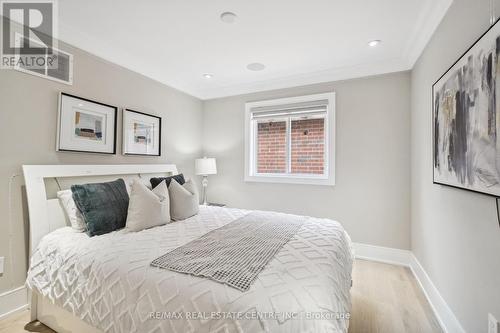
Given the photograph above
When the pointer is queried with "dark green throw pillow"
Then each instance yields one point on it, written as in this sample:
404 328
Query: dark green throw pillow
104 206
157 181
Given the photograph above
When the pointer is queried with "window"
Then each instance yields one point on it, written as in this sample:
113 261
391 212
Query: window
291 140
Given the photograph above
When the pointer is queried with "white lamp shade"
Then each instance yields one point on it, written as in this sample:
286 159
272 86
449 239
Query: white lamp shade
205 166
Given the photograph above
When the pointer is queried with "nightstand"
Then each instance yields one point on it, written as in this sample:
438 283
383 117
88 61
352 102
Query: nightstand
216 204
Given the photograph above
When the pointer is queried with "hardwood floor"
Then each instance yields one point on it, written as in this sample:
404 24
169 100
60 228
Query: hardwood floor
19 323
385 299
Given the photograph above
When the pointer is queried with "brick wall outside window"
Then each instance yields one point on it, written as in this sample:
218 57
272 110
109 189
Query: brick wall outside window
307 146
271 147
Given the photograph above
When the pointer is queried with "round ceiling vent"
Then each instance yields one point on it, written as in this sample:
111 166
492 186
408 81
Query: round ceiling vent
256 66
228 17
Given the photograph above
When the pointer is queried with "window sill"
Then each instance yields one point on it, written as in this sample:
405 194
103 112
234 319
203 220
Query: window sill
291 180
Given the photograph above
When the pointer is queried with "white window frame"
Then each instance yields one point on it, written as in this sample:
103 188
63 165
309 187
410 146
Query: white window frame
327 178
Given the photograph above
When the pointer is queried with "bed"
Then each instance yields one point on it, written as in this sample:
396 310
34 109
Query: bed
107 284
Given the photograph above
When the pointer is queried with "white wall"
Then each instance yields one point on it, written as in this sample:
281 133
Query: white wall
454 233
371 197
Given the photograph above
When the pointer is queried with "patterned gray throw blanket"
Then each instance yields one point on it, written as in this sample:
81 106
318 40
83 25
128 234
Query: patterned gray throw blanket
236 253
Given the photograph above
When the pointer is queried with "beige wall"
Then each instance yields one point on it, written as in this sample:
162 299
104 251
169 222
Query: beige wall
28 111
371 197
455 233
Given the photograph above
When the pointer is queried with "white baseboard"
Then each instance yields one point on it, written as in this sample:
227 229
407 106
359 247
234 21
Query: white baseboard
13 301
444 315
382 254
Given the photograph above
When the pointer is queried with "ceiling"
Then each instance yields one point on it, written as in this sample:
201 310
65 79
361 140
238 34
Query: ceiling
300 42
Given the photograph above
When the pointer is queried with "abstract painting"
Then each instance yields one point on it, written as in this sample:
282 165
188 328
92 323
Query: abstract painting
86 126
466 119
141 133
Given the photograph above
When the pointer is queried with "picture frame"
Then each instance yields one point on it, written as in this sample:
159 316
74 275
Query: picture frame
85 125
466 119
141 133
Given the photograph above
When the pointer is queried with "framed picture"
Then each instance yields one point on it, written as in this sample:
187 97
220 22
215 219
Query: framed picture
86 126
141 134
466 119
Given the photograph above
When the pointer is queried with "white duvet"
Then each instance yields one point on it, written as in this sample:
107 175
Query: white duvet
108 282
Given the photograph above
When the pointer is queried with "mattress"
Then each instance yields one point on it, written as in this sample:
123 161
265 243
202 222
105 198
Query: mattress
108 282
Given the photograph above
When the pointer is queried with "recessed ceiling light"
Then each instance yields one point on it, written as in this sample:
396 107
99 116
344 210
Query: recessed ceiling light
374 43
208 76
80 104
228 17
256 66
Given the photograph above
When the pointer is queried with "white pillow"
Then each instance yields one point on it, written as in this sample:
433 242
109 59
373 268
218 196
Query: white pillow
184 200
73 215
128 184
147 208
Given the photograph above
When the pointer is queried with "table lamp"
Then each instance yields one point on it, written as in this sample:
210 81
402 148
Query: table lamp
204 167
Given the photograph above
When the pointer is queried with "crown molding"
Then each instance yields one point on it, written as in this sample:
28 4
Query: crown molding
329 75
428 20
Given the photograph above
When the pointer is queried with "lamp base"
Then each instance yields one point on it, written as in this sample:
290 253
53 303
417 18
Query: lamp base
204 182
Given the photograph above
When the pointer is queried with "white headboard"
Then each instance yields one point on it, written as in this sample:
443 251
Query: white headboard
45 214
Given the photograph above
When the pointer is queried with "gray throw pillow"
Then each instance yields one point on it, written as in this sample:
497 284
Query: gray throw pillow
147 208
184 201
103 206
